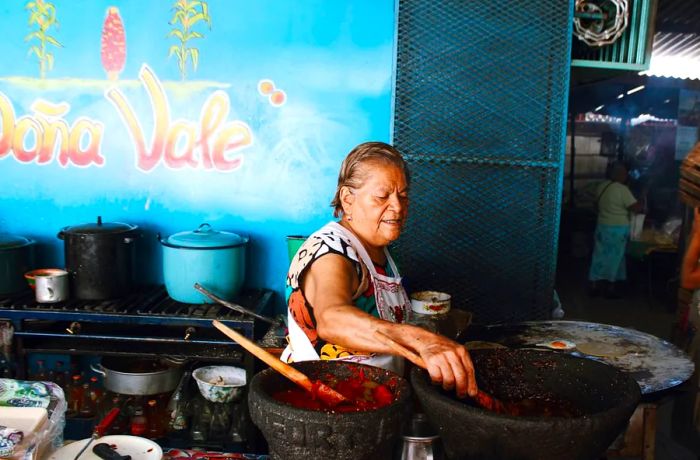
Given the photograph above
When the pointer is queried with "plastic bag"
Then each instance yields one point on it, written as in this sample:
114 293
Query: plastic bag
49 435
558 310
671 230
636 226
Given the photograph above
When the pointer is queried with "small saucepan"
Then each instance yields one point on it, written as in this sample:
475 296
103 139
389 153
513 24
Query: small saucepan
50 285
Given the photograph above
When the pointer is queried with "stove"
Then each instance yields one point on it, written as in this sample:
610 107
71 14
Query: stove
145 323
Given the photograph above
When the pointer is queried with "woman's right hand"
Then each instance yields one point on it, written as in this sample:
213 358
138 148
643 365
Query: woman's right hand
448 363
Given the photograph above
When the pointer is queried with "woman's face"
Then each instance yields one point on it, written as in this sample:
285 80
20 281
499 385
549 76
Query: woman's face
378 208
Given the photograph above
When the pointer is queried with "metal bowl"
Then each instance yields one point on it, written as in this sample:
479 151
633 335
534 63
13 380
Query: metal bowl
139 377
220 384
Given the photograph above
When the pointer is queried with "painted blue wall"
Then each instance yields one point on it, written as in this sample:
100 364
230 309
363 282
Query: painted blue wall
329 64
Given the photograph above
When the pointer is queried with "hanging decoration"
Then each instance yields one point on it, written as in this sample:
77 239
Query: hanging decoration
600 22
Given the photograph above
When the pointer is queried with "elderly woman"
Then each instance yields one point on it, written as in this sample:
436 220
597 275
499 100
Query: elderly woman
343 285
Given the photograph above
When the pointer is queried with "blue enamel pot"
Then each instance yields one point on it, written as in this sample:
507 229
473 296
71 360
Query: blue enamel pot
212 258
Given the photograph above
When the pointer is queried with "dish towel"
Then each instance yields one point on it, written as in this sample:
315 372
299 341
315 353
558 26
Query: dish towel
9 439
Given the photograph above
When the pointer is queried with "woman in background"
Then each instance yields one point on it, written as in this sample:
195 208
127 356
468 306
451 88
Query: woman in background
615 202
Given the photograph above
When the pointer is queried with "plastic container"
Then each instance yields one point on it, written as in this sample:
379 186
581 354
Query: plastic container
294 242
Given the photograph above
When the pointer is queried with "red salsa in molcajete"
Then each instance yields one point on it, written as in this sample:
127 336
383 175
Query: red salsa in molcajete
362 393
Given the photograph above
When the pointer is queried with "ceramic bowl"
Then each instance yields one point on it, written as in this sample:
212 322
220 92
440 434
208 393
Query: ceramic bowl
220 384
430 302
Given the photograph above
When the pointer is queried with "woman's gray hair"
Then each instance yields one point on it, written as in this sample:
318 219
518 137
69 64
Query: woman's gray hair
353 175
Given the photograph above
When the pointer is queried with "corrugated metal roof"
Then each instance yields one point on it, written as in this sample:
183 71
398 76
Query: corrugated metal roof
675 55
679 16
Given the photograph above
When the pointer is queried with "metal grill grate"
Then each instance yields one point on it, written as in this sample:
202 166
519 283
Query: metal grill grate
481 97
146 302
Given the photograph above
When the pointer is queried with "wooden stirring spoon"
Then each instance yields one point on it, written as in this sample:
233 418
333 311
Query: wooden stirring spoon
483 399
326 394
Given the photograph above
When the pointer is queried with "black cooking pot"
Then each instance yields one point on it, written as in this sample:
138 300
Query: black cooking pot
100 259
16 258
594 402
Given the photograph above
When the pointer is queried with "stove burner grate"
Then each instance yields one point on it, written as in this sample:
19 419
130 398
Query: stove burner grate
148 301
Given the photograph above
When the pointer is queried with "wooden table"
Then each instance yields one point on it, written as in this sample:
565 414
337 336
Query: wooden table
651 245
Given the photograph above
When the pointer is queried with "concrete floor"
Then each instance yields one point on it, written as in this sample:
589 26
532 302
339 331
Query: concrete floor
653 314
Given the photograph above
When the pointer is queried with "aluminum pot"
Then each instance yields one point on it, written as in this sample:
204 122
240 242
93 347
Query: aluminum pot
51 285
16 258
100 259
138 376
212 258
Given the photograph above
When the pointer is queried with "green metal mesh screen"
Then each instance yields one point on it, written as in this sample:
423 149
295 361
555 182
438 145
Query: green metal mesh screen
632 51
481 96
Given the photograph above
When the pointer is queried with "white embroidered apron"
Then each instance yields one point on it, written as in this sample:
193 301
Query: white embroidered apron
392 304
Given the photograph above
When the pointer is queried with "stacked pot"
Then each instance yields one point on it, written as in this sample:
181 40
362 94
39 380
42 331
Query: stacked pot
214 259
100 259
16 258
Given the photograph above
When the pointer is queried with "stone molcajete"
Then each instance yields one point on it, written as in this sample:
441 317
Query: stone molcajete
597 399
294 433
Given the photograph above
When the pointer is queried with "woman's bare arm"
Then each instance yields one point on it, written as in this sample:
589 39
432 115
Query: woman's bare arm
690 271
328 286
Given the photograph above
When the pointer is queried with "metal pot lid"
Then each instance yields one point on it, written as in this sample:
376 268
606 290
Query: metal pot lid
205 237
8 241
99 227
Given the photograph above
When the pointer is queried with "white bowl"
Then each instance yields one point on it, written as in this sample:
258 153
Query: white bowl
220 384
430 302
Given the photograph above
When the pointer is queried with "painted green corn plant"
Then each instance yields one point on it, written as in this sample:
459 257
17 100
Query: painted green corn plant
42 14
187 15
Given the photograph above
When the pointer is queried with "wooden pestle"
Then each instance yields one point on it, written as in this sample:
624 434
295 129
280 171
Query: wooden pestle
326 394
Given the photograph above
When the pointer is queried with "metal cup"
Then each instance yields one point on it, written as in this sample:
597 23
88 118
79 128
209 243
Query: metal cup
51 286
421 442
